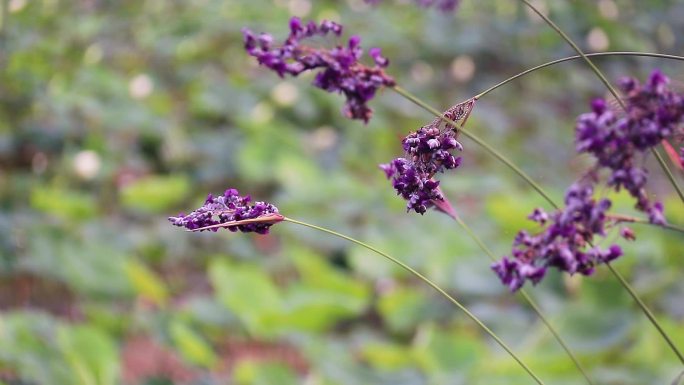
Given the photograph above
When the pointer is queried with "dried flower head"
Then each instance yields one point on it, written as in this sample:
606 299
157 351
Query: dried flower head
230 211
340 68
565 241
654 113
427 152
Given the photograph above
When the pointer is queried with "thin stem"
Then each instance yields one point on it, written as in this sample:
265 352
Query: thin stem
603 79
612 90
598 54
577 49
671 177
429 282
529 300
646 310
477 140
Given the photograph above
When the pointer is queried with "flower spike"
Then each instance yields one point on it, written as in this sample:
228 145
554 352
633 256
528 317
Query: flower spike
230 211
340 68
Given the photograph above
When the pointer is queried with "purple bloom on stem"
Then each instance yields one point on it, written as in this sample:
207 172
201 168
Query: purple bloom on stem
340 69
565 243
417 187
654 113
427 152
230 211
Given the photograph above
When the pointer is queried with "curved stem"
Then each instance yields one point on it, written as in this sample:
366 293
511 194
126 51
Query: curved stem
605 81
569 58
477 140
529 300
612 90
577 49
429 282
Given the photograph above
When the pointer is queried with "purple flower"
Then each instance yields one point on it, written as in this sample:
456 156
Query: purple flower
654 112
443 5
339 67
414 185
230 211
564 243
427 152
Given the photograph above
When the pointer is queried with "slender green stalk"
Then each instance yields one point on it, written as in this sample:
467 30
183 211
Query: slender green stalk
477 140
598 54
671 177
605 81
529 300
612 90
577 49
646 310
429 282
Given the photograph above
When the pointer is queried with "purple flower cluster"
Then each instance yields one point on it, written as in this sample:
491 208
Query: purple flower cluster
442 5
426 152
564 243
654 113
340 69
230 208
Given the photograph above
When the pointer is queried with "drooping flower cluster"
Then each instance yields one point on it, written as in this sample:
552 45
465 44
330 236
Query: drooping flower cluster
564 243
427 152
220 212
654 113
442 5
340 69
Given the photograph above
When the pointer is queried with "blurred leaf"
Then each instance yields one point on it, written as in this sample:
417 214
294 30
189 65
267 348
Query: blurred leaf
90 353
191 346
255 373
155 194
387 356
249 292
90 266
63 203
146 283
445 351
402 308
323 295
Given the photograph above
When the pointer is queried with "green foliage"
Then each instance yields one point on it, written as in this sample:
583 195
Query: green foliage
248 292
45 350
155 194
146 283
168 107
63 203
91 355
191 345
252 373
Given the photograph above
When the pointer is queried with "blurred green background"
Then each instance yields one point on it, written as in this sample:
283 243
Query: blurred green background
115 115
